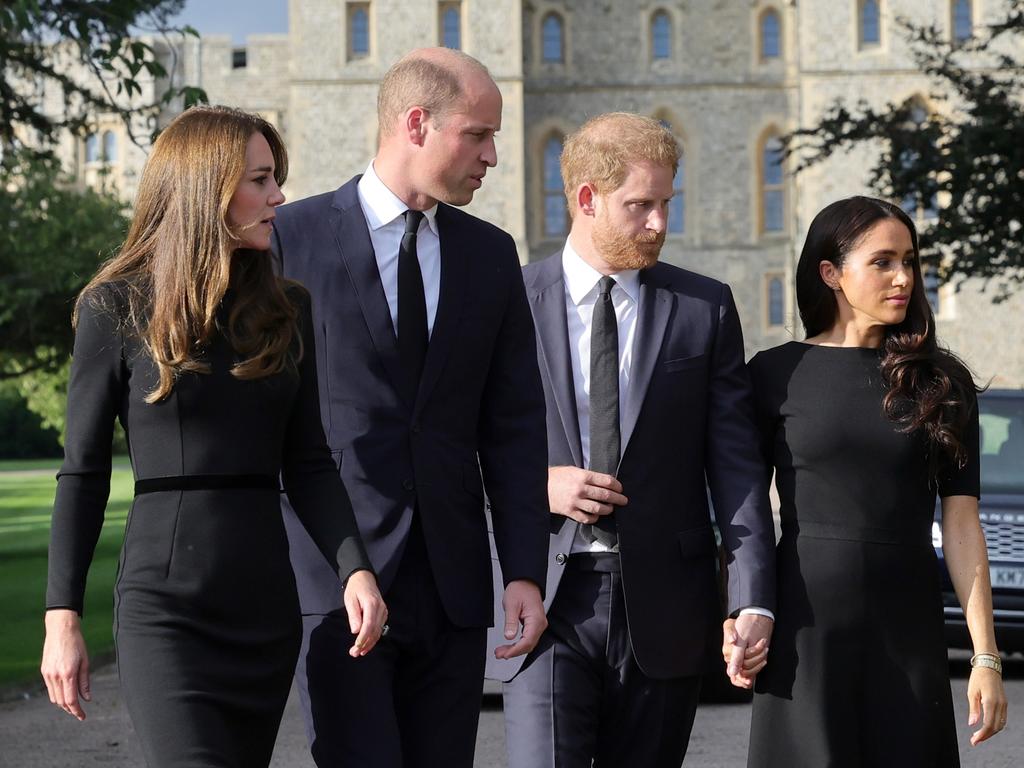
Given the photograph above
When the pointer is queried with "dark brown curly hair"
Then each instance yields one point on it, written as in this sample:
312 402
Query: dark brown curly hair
930 388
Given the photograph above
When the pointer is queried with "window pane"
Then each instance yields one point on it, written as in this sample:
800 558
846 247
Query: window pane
452 35
962 20
92 148
869 22
677 213
554 193
554 214
552 170
109 147
775 302
360 32
677 205
552 38
770 43
773 210
772 162
661 32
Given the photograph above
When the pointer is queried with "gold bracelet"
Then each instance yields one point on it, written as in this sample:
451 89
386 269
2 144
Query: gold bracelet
988 660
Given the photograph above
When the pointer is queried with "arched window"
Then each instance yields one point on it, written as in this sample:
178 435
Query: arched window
451 26
776 302
359 30
963 27
552 38
92 148
661 36
870 23
920 205
677 205
555 213
109 147
771 35
772 193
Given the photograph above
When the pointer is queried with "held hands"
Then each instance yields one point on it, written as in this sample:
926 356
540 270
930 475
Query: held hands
987 701
523 605
367 614
65 665
583 495
745 647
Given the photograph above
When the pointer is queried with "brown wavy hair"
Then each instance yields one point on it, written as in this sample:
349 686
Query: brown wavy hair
181 255
930 388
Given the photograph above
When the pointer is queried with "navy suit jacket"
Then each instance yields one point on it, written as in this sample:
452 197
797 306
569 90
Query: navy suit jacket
687 426
479 409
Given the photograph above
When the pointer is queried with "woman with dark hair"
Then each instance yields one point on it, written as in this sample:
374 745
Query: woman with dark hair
206 357
863 422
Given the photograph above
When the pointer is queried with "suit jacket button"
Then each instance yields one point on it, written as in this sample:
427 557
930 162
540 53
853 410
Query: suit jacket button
416 429
560 558
408 484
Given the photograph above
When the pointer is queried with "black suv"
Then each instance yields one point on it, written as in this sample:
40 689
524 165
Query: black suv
1001 414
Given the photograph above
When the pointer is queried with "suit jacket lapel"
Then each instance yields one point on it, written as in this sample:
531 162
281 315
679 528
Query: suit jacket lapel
353 239
548 306
454 265
654 312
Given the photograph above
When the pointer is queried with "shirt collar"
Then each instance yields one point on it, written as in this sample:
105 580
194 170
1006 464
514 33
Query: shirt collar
382 206
581 279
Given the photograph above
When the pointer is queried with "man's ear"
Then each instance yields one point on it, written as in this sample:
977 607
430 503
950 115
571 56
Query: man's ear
416 119
586 200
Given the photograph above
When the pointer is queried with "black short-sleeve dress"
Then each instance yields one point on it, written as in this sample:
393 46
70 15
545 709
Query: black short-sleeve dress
857 673
207 622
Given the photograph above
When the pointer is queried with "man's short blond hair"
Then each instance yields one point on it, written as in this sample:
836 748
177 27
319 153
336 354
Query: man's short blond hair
602 149
432 79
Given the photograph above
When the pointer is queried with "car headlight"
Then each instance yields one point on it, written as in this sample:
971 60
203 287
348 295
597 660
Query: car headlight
936 535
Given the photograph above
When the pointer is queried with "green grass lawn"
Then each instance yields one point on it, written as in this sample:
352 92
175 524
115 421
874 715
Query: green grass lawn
26 498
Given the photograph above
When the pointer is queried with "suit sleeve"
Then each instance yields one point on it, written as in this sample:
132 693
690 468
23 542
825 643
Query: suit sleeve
513 439
309 474
95 391
735 469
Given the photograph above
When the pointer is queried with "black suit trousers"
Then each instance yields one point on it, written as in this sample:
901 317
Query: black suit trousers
414 701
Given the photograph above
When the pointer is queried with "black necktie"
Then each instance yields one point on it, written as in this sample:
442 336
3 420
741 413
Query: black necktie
604 397
412 305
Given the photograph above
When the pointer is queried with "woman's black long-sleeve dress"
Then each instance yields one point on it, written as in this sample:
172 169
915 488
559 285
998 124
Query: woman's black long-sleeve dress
857 674
207 622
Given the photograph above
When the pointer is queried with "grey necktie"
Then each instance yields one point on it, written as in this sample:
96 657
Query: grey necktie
412 306
604 400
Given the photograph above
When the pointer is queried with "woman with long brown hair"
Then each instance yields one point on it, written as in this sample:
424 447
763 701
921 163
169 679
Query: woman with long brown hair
206 357
864 422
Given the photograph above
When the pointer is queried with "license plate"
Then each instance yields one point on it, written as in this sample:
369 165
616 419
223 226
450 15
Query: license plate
1007 576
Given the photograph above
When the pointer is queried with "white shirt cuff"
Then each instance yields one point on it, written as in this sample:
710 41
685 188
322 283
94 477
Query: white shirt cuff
757 611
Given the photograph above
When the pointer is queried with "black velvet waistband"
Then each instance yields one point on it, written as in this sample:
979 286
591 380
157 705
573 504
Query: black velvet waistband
205 483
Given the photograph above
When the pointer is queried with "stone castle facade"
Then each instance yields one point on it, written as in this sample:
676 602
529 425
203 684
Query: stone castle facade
728 76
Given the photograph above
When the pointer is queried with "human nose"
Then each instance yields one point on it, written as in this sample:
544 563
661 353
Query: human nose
490 153
276 197
658 220
904 276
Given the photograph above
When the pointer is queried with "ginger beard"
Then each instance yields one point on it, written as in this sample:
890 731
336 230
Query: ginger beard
622 251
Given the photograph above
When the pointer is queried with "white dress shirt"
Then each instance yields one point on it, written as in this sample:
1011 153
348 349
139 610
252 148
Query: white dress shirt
581 290
383 211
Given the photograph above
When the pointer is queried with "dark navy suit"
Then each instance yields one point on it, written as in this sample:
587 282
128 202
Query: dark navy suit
687 426
416 473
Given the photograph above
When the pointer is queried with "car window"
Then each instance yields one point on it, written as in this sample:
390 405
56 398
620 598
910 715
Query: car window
1002 444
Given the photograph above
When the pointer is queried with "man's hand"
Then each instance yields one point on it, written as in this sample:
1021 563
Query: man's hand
745 647
522 605
367 614
65 665
583 495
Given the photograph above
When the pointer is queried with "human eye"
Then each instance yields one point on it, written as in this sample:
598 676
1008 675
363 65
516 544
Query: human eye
261 180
